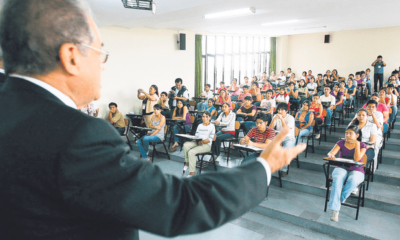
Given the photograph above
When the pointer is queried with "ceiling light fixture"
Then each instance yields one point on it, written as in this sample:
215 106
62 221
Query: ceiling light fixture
309 28
233 13
277 23
149 5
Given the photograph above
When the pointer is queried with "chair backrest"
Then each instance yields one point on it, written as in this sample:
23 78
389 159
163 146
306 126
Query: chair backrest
296 131
233 105
192 119
364 159
192 103
127 122
324 112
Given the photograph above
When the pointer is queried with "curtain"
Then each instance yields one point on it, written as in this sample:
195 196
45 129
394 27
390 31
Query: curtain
198 67
273 55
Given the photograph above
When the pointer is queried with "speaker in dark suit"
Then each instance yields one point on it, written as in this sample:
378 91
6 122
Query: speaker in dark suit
2 77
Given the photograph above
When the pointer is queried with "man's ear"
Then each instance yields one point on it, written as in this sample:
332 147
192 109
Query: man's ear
70 58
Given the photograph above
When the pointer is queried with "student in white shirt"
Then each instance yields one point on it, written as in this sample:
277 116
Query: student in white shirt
282 96
205 131
325 100
281 79
393 102
289 72
207 94
227 117
281 120
246 82
270 104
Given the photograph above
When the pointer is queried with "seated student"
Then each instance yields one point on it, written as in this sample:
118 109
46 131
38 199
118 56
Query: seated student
163 102
242 96
221 86
303 76
115 118
393 102
382 108
383 98
262 135
266 85
213 113
312 88
250 112
281 96
351 91
264 76
368 78
292 79
180 112
375 117
90 109
255 93
206 132
328 73
307 116
289 72
369 131
303 91
255 79
234 87
338 96
360 82
328 100
270 105
149 100
334 77
309 75
283 119
246 83
157 135
281 79
207 94
320 83
229 118
317 109
351 76
223 98
293 93
351 148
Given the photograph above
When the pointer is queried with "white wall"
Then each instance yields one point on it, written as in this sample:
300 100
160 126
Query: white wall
139 58
348 51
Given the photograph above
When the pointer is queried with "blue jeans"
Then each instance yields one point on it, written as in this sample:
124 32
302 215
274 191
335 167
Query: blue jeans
220 137
177 129
393 115
120 130
143 144
328 116
287 143
385 127
303 132
339 195
246 126
201 106
234 97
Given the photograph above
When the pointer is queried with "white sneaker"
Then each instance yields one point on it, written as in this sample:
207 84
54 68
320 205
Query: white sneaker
317 136
355 191
335 216
189 176
185 168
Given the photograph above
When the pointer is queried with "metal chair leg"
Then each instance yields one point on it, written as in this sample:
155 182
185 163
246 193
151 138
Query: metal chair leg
166 150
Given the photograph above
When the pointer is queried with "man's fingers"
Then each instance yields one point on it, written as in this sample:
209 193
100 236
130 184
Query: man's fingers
293 152
281 136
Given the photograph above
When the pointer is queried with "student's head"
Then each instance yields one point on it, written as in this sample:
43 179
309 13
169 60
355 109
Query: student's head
362 73
255 78
282 73
178 83
211 102
358 74
315 98
264 74
351 76
254 85
372 105
379 58
309 72
282 109
261 121
248 100
368 70
325 76
336 87
382 92
362 116
206 117
234 81
312 79
226 108
353 132
164 96
153 90
390 88
222 84
292 85
269 94
350 81
246 89
319 76
179 104
306 105
273 73
157 109
375 97
342 84
334 72
113 107
304 73
328 72
222 93
302 83
282 90
207 87
246 79
289 70
293 75
327 90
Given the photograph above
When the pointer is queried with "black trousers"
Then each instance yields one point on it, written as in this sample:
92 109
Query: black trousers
318 121
378 77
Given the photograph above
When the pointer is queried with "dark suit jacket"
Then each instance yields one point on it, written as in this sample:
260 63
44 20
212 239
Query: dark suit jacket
2 79
66 175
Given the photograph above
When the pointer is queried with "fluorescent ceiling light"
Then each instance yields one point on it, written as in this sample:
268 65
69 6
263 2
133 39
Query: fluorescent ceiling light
276 23
309 28
233 13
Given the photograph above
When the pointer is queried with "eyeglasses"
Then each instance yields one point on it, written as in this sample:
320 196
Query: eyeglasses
103 54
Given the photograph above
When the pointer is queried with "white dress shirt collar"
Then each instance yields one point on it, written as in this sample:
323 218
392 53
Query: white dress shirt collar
2 71
63 98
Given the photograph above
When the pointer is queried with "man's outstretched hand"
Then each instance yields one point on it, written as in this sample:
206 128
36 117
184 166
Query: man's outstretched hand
277 156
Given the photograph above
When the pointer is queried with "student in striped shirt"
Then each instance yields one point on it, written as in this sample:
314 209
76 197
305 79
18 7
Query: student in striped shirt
262 134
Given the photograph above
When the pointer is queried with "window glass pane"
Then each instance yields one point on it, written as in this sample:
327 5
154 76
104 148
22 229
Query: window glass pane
210 71
250 45
203 45
250 65
257 67
236 67
262 44
236 44
228 70
228 45
243 65
256 44
267 44
267 67
243 45
220 45
220 69
211 44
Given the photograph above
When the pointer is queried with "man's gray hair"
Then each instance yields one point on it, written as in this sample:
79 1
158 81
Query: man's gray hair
33 31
